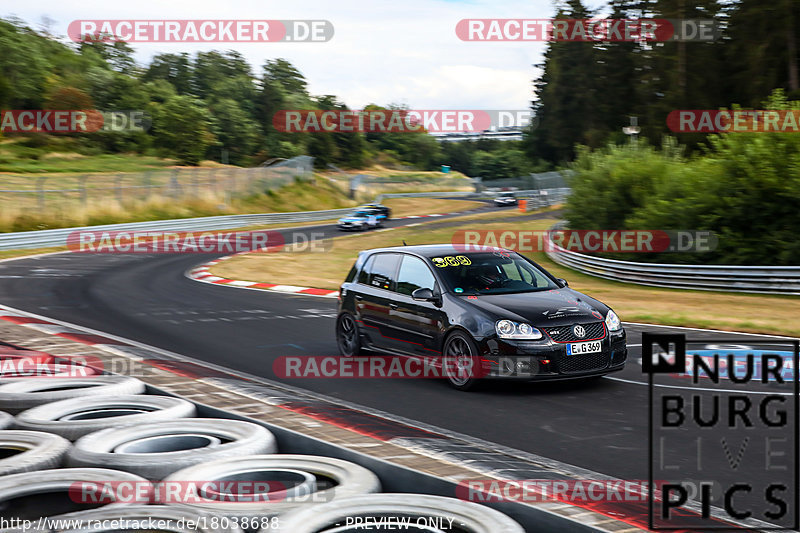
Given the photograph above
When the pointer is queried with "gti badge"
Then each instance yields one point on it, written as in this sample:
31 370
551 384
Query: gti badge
579 331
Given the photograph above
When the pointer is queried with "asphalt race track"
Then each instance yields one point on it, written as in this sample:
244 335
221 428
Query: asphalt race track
599 425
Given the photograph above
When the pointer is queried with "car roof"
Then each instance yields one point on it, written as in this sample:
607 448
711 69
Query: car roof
431 250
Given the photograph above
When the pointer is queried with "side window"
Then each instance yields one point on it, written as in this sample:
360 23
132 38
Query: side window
414 274
518 274
379 271
363 276
357 265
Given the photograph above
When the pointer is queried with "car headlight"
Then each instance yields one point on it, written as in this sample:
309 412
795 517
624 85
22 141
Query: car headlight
507 329
612 321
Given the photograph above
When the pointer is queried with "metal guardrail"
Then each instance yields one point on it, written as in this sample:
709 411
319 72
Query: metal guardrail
729 278
451 194
58 237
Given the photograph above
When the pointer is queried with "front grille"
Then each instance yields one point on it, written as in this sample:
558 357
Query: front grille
594 331
583 363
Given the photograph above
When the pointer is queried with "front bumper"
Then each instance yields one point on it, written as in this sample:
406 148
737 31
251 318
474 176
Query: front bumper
349 226
545 359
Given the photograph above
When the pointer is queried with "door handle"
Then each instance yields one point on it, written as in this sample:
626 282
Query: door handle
393 306
359 297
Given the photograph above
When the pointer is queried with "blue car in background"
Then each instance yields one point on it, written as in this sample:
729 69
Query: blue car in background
362 219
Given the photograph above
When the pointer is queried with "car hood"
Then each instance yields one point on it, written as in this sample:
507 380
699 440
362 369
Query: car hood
556 307
352 219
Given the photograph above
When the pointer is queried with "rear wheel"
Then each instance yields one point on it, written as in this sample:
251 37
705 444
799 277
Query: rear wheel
460 362
347 335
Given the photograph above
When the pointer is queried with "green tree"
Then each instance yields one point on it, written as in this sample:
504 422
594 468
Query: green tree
118 55
762 51
211 68
285 75
234 130
173 68
566 104
23 64
182 128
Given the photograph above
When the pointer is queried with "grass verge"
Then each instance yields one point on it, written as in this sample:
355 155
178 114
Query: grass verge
704 309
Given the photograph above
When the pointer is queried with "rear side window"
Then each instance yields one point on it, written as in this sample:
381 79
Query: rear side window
380 270
363 277
414 274
352 274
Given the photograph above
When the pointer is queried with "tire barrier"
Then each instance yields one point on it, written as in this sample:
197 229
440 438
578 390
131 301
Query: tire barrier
414 513
77 417
26 451
51 493
301 480
24 393
6 420
156 450
187 474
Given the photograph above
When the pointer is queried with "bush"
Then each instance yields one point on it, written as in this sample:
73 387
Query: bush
745 188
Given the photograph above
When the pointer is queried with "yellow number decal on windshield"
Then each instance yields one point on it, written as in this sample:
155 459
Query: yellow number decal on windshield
450 260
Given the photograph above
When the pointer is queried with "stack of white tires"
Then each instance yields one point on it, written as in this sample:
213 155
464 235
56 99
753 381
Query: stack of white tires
69 446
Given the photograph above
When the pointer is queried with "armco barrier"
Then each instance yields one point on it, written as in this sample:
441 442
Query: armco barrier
58 237
731 278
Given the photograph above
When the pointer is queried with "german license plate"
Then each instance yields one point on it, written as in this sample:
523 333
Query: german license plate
583 347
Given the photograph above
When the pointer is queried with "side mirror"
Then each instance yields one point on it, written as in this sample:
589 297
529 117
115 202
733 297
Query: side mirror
423 295
563 282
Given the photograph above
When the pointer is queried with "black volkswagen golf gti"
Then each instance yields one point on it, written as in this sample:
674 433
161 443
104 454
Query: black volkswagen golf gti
476 314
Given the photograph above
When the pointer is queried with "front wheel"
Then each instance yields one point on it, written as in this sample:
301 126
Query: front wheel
347 336
460 362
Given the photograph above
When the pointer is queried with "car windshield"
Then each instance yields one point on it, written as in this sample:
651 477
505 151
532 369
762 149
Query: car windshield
491 273
360 214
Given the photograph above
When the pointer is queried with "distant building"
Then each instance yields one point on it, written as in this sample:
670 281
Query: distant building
501 135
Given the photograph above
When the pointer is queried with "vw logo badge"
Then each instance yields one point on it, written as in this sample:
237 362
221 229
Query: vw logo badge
579 331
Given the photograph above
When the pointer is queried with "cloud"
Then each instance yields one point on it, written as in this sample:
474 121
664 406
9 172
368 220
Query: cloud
382 51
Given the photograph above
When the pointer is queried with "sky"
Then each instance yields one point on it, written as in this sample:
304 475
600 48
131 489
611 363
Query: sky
383 51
